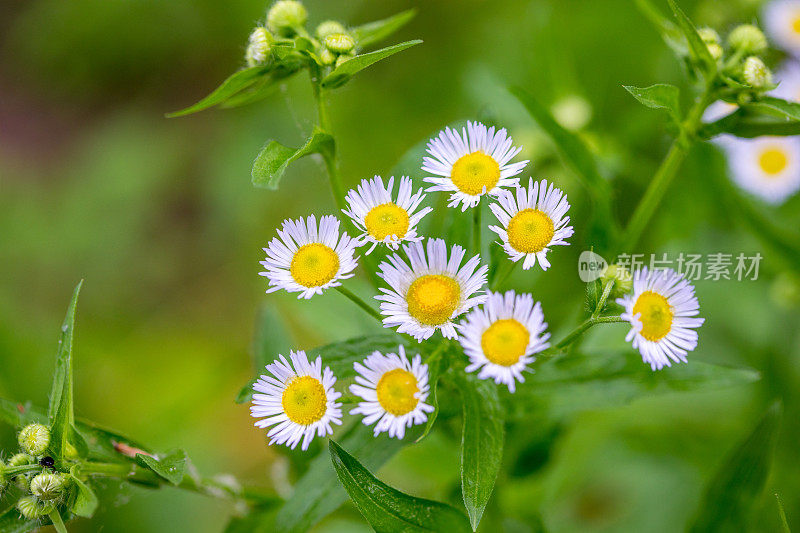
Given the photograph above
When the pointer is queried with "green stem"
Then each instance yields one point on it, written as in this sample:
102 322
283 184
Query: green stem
361 303
58 522
329 157
580 330
603 297
476 228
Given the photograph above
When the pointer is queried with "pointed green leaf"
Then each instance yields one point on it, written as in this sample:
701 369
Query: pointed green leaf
345 71
84 500
236 82
698 50
748 124
481 442
737 486
659 96
785 108
387 509
171 467
373 32
61 412
273 159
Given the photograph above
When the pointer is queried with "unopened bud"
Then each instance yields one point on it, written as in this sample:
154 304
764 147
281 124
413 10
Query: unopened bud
621 276
47 486
285 16
34 438
715 50
3 480
258 47
327 57
709 35
20 459
31 508
748 38
339 43
329 27
756 73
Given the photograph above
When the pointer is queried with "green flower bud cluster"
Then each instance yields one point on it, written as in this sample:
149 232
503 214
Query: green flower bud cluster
740 64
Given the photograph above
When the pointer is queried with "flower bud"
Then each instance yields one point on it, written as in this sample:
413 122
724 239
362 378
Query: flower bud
756 73
715 50
34 439
22 483
258 47
709 35
327 57
339 43
329 27
20 459
747 38
573 112
621 276
47 486
285 16
3 480
30 508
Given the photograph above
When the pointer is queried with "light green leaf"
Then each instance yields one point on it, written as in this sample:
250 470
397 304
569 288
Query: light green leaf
782 515
341 74
698 50
273 159
171 467
61 412
387 509
84 500
785 108
732 493
373 32
481 442
236 82
659 96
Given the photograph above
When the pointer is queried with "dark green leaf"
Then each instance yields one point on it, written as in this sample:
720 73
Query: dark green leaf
736 487
387 509
61 412
788 109
481 442
273 159
698 50
238 81
84 500
749 122
659 96
171 467
373 32
782 515
345 71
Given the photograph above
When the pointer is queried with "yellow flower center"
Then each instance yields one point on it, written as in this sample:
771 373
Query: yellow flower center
433 298
772 161
314 265
304 400
472 172
656 315
505 341
396 390
386 219
530 230
796 24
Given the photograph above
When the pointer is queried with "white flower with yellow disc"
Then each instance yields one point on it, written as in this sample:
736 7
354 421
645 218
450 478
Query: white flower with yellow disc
308 259
394 392
782 24
428 292
663 312
297 399
532 221
383 219
768 167
501 337
472 164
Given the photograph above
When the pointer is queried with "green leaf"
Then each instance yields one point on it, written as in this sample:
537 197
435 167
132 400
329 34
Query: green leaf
437 363
788 109
236 82
84 500
273 159
11 522
171 467
782 515
318 493
698 50
481 442
373 32
341 74
736 487
659 96
748 122
60 412
387 509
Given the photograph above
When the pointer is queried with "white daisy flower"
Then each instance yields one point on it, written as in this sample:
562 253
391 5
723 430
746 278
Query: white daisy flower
380 217
307 260
718 110
662 311
472 164
768 167
394 391
532 222
501 337
430 293
788 78
782 24
298 400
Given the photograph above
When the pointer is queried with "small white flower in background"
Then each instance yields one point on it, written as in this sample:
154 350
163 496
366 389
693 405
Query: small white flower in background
782 23
258 47
432 291
308 259
394 391
768 167
718 110
471 164
382 218
502 337
297 399
532 221
788 80
663 314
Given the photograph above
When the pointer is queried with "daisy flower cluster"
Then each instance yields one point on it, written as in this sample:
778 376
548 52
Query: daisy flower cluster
434 287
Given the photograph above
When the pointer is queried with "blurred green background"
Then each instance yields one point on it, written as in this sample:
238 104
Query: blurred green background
160 219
